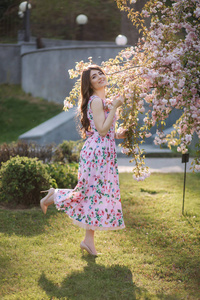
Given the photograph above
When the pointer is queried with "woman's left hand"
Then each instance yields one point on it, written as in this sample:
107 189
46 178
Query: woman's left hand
121 134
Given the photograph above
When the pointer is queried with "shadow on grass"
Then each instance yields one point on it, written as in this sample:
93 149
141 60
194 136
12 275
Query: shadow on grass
24 222
176 253
169 242
97 282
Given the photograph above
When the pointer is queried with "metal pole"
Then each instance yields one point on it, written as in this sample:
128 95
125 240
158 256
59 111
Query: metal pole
184 190
185 159
80 37
27 23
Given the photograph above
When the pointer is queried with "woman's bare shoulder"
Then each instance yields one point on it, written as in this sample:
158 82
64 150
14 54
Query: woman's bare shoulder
96 101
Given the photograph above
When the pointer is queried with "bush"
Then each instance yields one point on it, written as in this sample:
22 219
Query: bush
22 148
66 176
22 179
68 151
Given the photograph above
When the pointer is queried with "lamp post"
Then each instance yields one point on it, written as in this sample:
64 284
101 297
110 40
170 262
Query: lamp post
81 20
24 11
121 40
185 159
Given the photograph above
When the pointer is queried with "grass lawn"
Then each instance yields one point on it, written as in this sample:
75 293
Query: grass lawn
21 112
155 257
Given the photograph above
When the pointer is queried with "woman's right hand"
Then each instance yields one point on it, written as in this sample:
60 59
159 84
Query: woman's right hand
118 101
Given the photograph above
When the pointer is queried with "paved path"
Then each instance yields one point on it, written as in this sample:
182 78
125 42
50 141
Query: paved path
162 165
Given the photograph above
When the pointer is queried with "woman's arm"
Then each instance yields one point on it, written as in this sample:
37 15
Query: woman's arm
103 124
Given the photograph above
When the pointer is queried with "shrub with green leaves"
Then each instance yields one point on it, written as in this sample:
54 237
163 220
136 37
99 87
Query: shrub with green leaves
65 175
22 179
68 151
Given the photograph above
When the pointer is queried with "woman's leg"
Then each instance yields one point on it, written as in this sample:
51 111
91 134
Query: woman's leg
47 200
89 240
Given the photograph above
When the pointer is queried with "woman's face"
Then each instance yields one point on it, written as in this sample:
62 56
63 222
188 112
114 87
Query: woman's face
97 79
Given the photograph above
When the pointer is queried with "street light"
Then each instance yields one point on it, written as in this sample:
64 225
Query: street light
81 20
121 40
24 11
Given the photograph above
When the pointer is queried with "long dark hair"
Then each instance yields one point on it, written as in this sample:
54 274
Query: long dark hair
86 93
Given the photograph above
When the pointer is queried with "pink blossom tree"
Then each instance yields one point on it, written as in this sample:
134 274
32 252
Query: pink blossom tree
162 72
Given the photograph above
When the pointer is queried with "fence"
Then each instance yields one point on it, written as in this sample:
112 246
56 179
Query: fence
9 23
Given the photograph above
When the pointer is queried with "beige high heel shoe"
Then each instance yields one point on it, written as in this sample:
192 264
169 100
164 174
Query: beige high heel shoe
45 199
86 248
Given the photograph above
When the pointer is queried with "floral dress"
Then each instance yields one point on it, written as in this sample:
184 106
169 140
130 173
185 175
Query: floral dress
95 202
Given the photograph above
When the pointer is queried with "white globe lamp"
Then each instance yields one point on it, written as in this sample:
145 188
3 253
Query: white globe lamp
23 5
121 40
81 19
20 14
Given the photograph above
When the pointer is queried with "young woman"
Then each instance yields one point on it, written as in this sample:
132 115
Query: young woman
94 204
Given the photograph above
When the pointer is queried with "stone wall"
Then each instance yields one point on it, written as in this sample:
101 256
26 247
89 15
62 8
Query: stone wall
10 64
45 71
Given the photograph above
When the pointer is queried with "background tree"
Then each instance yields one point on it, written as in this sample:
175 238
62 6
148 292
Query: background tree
161 71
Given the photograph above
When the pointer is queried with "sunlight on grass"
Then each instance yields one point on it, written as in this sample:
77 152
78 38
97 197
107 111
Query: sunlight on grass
21 112
155 257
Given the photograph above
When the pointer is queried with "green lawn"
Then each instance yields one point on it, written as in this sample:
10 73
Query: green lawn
155 257
20 112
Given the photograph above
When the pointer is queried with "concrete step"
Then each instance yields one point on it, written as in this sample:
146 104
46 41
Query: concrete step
150 150
55 130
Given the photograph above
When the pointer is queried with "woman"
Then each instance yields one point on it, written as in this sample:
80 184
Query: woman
94 204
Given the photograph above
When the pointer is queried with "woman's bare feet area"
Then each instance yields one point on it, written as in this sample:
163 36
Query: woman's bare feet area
88 243
89 248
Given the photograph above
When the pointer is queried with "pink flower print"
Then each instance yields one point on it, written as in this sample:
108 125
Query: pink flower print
108 216
114 223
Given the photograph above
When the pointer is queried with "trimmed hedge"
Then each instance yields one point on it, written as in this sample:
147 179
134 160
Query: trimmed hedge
26 169
22 179
65 175
68 151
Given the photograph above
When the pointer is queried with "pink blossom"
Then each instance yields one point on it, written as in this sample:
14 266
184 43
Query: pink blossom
143 175
124 150
142 109
147 135
197 12
188 137
164 101
67 104
146 13
172 101
194 91
197 167
181 83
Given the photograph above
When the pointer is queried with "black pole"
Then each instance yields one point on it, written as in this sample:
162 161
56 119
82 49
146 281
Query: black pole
80 35
185 159
184 190
27 23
